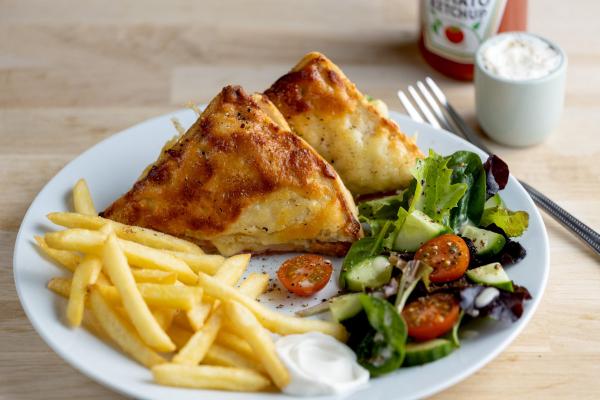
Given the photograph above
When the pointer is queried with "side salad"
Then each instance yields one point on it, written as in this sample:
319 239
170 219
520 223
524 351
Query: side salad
433 257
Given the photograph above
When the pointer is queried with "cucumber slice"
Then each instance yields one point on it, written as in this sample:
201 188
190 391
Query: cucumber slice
491 275
370 273
419 353
345 306
418 228
486 242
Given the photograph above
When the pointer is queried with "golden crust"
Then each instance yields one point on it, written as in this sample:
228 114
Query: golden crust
237 181
326 109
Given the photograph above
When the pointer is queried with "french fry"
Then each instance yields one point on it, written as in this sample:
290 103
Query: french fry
259 340
92 242
274 321
65 258
209 377
232 269
208 263
230 272
148 257
234 342
115 265
255 285
85 275
84 240
154 276
103 279
198 314
220 355
155 294
182 320
179 335
82 200
164 316
195 349
60 286
136 234
91 323
121 332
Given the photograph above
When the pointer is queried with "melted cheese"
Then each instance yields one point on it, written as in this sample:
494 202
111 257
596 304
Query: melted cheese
239 181
365 147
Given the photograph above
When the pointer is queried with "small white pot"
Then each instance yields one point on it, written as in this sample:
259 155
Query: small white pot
519 112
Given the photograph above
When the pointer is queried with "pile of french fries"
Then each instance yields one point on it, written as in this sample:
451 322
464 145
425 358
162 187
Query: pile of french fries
167 304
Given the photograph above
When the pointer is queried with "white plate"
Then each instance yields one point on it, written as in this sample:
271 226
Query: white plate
111 167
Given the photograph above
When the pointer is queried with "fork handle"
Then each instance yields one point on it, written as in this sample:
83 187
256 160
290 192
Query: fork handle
584 232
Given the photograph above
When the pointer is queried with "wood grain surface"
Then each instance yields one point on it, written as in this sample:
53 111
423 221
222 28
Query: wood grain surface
73 73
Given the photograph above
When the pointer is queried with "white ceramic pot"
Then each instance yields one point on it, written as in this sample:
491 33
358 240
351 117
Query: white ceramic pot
519 112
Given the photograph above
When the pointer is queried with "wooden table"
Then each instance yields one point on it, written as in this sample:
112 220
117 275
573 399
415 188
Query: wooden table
74 73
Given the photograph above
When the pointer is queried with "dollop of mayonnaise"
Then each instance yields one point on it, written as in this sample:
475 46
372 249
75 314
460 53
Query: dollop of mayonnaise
319 365
520 57
486 296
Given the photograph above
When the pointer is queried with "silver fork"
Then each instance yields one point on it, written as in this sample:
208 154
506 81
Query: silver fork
439 113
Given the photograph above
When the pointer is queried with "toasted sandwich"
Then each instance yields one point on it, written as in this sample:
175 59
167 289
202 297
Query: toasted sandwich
364 146
238 180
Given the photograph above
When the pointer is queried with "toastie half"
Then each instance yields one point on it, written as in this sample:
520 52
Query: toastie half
364 146
238 180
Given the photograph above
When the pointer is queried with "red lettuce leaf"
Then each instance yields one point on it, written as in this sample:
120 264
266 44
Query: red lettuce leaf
497 174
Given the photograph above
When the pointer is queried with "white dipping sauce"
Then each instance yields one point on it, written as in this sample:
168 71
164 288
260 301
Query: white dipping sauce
520 57
486 296
319 365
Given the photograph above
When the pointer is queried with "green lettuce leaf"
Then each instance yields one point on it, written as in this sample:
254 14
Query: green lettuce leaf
467 168
388 242
371 227
414 272
513 223
381 347
435 194
383 208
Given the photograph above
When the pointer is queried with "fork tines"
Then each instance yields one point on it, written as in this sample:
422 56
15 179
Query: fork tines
430 108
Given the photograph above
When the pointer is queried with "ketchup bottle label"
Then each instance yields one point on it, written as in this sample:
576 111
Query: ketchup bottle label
454 29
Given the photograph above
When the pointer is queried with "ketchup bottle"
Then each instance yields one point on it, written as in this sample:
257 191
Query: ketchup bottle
452 30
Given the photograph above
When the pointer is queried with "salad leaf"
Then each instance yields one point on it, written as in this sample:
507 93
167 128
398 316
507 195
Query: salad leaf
467 168
388 290
512 253
414 272
512 223
434 194
494 201
496 174
382 348
454 332
371 227
506 306
375 213
362 250
450 287
383 208
388 242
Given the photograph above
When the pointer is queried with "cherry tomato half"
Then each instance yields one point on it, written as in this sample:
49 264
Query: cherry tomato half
306 274
431 316
448 255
